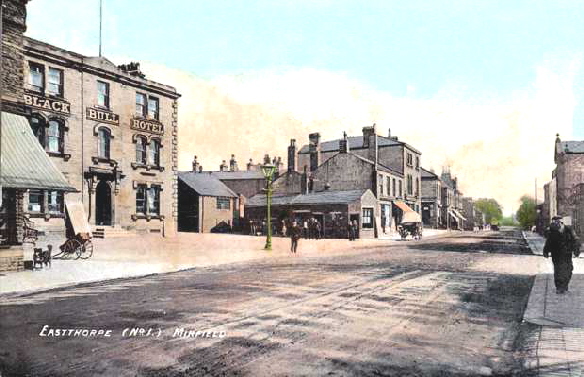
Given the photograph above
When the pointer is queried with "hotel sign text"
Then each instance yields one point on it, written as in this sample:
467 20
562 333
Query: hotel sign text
102 116
153 127
49 104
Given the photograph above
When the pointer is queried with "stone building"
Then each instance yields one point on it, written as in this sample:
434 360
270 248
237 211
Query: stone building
468 212
452 217
358 163
110 131
569 172
332 209
25 165
431 199
205 204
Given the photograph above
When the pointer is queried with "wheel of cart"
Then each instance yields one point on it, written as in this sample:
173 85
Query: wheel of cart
411 224
78 232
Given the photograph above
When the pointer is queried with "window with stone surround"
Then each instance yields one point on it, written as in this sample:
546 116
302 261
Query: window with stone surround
141 150
394 193
153 199
367 218
154 152
141 105
141 199
103 142
103 94
223 203
36 201
55 82
36 78
55 201
153 108
51 134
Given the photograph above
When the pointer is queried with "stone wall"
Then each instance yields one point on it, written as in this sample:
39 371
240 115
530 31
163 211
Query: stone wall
13 27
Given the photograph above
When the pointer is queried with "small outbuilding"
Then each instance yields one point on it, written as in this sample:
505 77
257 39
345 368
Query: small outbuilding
205 204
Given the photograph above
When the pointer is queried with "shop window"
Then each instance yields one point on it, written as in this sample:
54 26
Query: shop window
367 218
153 197
141 199
223 203
104 140
37 77
154 152
103 94
55 202
36 201
141 150
141 105
153 108
55 82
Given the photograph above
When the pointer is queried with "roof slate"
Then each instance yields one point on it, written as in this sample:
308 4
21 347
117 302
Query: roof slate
205 184
356 142
243 174
322 197
24 163
573 146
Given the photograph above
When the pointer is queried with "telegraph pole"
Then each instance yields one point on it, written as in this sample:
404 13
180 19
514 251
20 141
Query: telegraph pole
100 12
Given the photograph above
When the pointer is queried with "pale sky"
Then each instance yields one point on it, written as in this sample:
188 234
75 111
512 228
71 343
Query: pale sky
482 86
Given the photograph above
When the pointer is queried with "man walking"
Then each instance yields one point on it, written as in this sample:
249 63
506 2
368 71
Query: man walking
561 243
295 234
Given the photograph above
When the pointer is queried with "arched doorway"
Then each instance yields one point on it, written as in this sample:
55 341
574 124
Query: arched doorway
103 203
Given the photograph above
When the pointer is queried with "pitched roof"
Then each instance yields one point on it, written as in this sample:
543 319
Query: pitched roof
243 174
356 142
428 174
24 163
205 184
572 146
322 197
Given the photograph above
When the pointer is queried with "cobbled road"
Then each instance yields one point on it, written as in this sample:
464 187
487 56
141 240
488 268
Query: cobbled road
444 306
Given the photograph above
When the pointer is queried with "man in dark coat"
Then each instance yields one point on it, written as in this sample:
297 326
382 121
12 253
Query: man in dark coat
295 234
561 243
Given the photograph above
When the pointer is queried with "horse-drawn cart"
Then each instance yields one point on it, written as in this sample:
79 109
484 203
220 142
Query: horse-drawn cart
411 224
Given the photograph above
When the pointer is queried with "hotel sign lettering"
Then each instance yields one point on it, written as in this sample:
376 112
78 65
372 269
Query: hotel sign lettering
102 116
49 104
152 127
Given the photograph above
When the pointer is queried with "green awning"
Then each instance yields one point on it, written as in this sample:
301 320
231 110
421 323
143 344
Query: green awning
24 164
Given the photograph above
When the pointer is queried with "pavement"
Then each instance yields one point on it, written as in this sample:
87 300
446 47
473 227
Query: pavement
117 258
557 348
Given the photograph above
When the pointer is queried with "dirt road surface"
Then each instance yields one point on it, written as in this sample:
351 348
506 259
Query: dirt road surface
442 307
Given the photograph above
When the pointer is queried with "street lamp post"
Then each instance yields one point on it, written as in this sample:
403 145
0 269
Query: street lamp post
268 171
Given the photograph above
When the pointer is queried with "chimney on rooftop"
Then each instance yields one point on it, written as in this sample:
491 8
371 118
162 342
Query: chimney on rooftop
314 150
195 164
304 181
370 142
344 144
250 164
292 156
233 164
223 166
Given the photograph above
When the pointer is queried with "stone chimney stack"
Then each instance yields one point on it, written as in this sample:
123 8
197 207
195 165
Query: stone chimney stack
370 142
233 164
266 159
304 181
200 169
292 156
279 164
223 166
250 165
314 150
196 164
344 144
12 71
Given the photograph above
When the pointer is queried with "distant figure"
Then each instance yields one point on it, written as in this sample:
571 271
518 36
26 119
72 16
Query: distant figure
350 231
295 234
317 229
355 230
561 243
284 233
305 229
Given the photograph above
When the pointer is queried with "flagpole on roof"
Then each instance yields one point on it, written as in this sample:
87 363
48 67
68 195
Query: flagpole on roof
100 12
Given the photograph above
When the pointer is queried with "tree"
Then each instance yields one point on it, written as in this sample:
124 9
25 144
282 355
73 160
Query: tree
527 212
509 221
492 210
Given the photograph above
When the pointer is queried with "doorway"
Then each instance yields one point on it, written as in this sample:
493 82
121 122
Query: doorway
103 203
